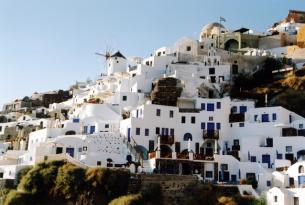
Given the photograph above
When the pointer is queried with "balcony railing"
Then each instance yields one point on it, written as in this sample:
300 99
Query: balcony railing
166 154
167 139
240 117
211 134
203 157
190 110
182 155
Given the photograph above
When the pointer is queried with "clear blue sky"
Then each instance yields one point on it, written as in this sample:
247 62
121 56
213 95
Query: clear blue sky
49 44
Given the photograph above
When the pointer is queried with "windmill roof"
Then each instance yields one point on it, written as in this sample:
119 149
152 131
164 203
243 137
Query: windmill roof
118 54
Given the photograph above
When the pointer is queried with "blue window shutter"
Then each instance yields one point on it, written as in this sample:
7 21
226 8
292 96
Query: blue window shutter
202 106
203 125
218 126
210 107
265 118
274 116
218 105
243 109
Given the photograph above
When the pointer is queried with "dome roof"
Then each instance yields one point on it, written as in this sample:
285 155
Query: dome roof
213 28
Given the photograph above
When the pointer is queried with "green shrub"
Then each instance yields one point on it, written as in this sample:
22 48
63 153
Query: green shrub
70 182
105 185
22 173
18 198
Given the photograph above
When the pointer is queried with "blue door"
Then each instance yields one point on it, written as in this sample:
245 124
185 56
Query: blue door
70 151
266 159
265 118
128 134
92 129
211 126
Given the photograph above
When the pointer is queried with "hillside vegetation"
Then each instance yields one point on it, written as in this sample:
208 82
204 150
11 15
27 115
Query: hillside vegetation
286 89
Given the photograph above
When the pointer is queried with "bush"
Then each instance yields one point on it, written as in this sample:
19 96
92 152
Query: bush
70 182
40 180
128 200
152 193
22 173
106 184
17 198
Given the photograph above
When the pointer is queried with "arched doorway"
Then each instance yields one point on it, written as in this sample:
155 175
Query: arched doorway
231 45
166 151
187 136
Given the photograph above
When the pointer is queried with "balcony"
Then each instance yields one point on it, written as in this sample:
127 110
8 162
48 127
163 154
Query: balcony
167 139
203 157
183 155
240 117
189 110
210 134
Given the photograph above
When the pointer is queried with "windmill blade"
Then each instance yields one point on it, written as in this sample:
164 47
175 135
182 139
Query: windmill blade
100 54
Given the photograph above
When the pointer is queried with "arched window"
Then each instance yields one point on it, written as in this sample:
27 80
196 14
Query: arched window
301 169
187 136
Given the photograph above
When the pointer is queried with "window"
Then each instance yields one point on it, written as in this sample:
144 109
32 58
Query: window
188 48
301 169
138 131
241 124
268 183
0 128
98 163
183 119
203 125
171 113
209 174
275 198
146 132
234 109
201 47
80 149
124 98
193 120
243 109
211 71
85 148
218 105
274 117
202 106
301 126
75 120
106 125
59 150
255 118
172 132
288 148
151 145
157 130
211 118
158 112
210 107
1 175
218 126
265 118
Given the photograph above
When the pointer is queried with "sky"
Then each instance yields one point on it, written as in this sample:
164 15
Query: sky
48 45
